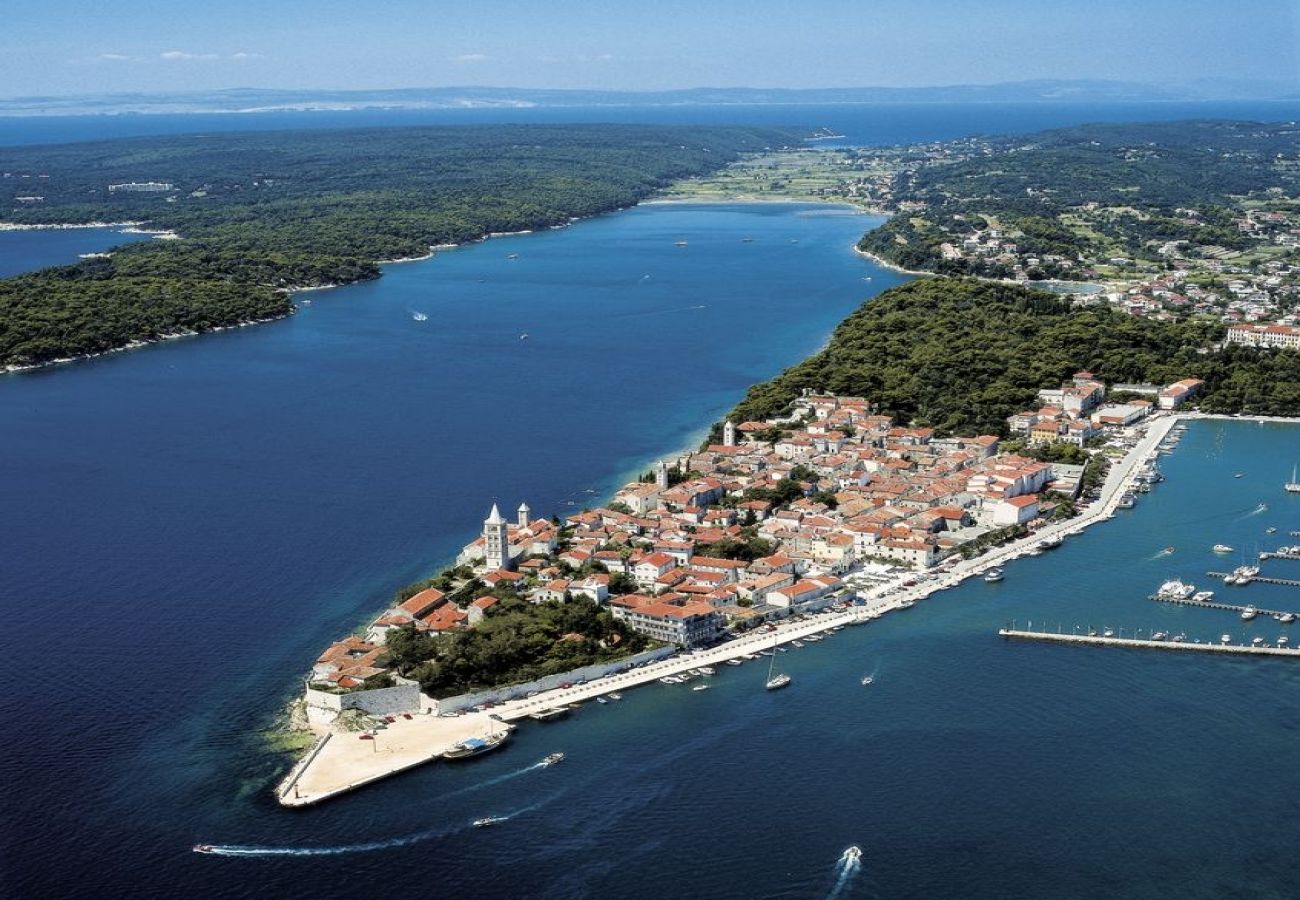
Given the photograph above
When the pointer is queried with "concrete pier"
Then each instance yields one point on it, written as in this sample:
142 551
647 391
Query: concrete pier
1148 644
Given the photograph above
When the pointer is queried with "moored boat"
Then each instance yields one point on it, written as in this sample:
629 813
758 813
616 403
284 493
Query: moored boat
994 575
1249 613
1174 589
476 746
1221 548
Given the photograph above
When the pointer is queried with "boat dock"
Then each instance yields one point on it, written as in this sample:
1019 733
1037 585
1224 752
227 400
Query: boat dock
1215 605
1278 554
1147 643
1262 579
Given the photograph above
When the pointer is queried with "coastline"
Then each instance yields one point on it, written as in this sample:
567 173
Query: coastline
143 342
885 264
21 226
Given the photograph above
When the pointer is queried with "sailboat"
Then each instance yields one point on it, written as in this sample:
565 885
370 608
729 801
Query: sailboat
1293 486
775 679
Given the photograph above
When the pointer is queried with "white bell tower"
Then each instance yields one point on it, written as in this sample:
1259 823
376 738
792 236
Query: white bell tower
523 517
661 475
496 544
729 434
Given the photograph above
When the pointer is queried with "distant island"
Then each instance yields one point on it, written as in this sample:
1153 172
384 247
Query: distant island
254 100
261 214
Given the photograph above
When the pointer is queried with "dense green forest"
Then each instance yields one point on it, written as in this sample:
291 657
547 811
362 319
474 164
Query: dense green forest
264 211
960 355
1143 171
517 641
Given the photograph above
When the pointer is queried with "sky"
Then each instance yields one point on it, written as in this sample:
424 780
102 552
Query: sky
63 47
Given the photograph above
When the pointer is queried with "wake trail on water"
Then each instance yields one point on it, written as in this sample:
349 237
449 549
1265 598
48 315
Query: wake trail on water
249 850
847 868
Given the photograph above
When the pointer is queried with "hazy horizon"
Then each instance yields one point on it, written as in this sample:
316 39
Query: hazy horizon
67 48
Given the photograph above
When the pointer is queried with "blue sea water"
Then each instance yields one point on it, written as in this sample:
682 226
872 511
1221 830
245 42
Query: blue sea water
185 526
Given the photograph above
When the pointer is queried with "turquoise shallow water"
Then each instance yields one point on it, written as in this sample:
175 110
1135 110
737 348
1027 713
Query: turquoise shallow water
187 525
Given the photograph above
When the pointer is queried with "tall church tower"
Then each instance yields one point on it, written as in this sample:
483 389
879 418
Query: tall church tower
729 434
524 512
496 543
661 475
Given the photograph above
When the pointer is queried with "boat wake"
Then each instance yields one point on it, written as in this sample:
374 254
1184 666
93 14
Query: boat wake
1262 508
1168 551
254 851
258 851
847 868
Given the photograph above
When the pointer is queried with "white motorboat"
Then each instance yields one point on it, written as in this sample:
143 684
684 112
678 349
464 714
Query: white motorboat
1174 589
1221 548
1249 613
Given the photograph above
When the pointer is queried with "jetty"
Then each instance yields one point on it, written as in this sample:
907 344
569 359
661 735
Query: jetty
1262 579
1233 607
1280 554
1148 643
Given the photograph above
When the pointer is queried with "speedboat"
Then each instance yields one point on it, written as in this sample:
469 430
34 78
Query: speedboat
488 820
993 575
204 848
616 696
1225 639
1286 618
552 759
852 854
1159 636
1203 596
601 700
701 687
1249 613
1221 548
1049 543
867 679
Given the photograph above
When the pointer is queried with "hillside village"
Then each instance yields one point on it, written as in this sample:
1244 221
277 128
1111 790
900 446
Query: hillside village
768 522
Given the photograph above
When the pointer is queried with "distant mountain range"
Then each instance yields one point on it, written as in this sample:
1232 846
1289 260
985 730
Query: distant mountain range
268 99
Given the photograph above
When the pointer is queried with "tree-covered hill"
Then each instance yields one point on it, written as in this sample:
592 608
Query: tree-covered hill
961 355
259 211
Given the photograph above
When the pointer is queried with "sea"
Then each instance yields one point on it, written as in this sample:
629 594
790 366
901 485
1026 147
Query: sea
187 525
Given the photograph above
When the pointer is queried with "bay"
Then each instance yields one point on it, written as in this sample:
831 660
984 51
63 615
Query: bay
26 250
